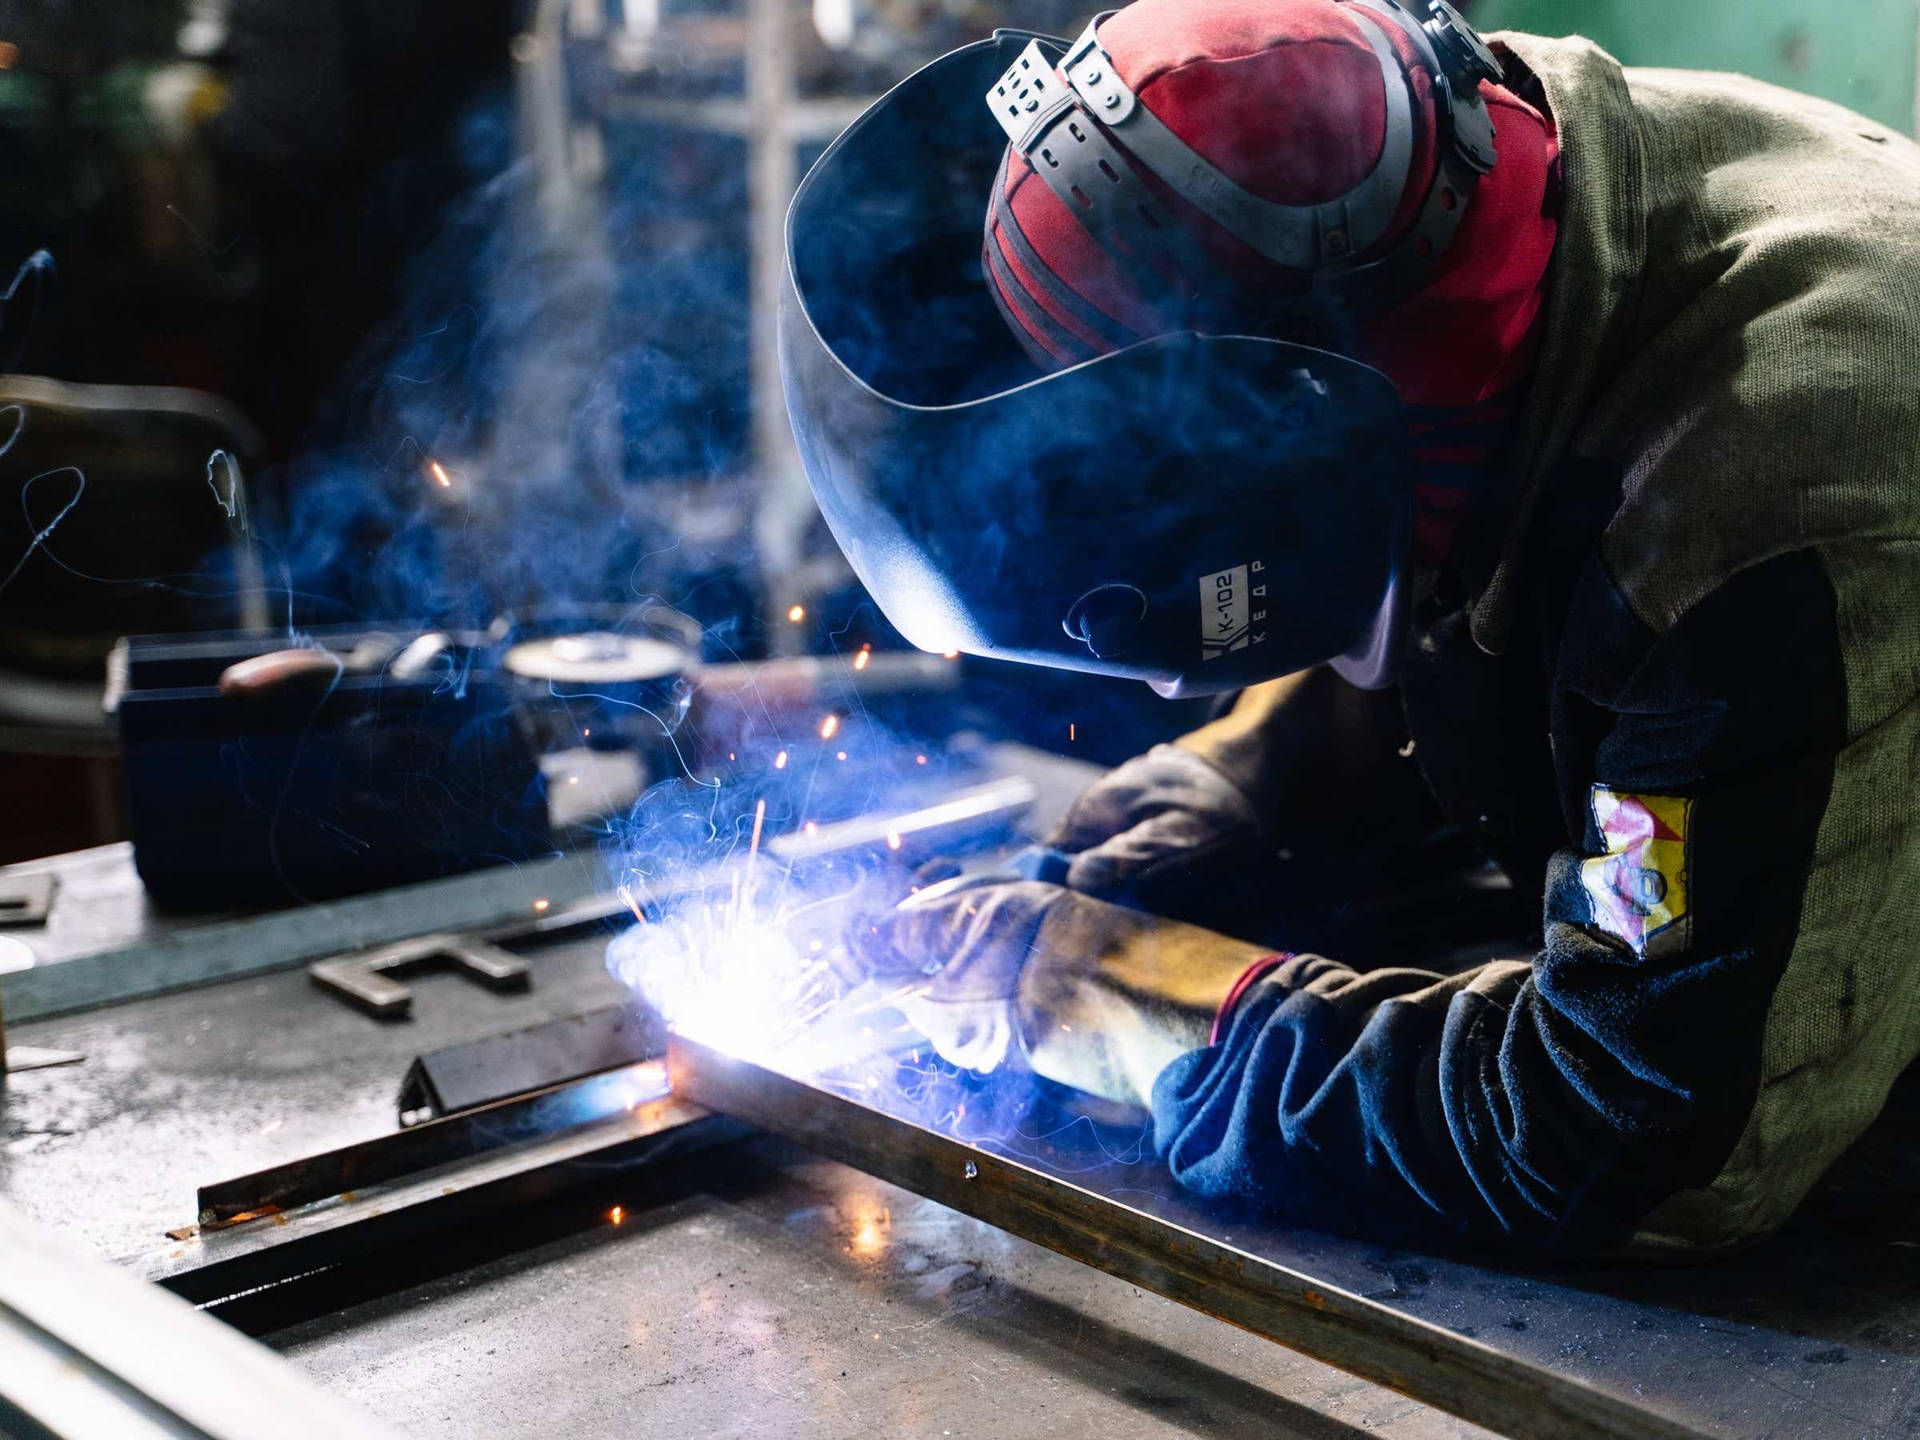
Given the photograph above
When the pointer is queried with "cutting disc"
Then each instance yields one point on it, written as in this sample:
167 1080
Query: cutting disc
598 657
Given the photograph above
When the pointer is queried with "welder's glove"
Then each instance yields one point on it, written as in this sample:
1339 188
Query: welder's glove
1167 832
1085 993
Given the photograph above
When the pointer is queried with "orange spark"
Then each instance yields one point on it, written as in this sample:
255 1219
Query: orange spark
829 727
1071 729
811 827
617 1214
633 904
440 474
919 759
797 613
540 905
893 840
950 655
840 755
780 761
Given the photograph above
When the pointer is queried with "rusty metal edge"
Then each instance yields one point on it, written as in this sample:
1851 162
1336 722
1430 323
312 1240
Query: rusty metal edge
1425 1362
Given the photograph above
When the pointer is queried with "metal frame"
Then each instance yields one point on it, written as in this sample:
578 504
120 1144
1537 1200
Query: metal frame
1361 1336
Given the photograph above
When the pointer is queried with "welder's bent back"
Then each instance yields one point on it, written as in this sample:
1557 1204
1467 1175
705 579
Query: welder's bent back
1708 582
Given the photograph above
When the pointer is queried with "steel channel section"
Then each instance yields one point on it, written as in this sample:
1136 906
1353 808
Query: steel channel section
1430 1364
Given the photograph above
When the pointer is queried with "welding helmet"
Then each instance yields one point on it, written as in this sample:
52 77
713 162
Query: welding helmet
1201 511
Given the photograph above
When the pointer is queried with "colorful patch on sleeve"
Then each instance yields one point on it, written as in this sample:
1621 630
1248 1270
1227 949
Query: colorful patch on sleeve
1638 886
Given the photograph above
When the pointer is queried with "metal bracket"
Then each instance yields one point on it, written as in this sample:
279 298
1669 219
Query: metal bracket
27 899
367 981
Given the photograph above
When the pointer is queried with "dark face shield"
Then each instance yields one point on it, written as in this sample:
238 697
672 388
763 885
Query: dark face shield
1197 512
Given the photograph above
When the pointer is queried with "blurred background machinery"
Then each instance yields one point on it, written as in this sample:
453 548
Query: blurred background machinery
349 312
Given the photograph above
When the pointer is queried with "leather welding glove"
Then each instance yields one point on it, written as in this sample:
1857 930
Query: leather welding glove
1222 826
1085 993
1166 832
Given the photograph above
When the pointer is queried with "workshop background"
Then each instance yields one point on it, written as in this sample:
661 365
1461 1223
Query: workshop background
425 314
432 342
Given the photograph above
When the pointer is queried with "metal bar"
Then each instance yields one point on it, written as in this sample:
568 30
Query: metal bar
216 1265
979 815
436 1143
87 1351
503 905
1379 1344
983 811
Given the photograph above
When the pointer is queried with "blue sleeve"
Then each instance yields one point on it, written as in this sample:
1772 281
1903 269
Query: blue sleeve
1554 1102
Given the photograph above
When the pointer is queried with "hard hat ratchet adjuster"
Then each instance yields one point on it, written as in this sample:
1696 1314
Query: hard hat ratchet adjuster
1049 125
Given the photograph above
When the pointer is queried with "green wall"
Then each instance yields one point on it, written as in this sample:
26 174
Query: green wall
1861 53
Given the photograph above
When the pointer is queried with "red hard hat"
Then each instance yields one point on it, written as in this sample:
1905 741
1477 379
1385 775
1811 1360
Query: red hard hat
1326 173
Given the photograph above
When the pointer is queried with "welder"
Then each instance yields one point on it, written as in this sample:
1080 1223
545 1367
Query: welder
1512 438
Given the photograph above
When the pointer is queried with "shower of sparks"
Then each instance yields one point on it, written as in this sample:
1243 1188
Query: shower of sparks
440 476
756 968
829 727
796 613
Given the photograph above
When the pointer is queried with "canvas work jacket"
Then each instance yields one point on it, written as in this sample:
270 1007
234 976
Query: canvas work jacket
1680 681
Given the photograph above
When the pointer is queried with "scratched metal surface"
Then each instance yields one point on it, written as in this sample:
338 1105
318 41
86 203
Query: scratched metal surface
597 1328
1813 1334
768 1293
802 1299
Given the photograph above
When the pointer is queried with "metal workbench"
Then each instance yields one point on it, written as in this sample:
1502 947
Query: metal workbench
750 1288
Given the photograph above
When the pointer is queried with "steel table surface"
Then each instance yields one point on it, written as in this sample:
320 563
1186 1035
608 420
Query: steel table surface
741 1286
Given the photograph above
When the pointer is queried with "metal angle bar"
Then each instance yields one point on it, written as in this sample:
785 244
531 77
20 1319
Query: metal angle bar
214 1266
1430 1364
426 1146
